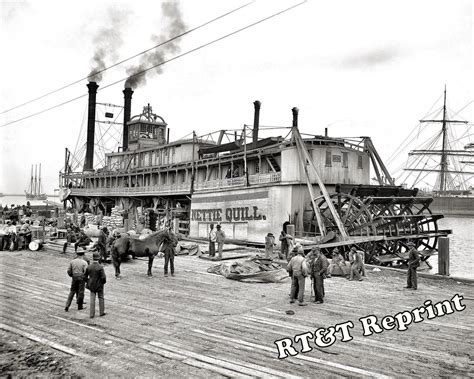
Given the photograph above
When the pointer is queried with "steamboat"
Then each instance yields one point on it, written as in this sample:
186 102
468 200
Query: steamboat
251 185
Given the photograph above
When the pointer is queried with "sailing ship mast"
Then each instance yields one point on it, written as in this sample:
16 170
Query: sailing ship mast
443 170
31 181
36 180
39 181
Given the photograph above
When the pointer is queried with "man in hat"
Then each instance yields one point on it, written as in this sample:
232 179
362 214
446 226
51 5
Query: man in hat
70 238
285 239
295 269
5 237
82 241
25 233
102 244
413 264
76 270
318 272
357 265
95 278
220 238
269 244
338 264
11 231
168 249
212 240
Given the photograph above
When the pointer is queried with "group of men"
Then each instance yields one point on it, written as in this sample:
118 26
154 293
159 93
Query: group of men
316 266
15 212
15 235
299 267
216 236
79 238
90 275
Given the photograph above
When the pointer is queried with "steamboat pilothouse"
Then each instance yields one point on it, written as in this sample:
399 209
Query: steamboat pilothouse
251 185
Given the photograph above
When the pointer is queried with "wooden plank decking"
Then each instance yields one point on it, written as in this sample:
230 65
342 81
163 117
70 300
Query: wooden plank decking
203 325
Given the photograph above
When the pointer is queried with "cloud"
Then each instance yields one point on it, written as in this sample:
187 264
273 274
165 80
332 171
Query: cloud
9 10
370 58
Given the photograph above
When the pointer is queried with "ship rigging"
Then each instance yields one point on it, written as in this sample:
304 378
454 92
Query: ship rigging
34 191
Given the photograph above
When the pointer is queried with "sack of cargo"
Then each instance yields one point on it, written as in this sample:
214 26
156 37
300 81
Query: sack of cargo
92 231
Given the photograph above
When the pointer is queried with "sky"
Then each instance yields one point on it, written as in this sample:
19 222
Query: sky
360 68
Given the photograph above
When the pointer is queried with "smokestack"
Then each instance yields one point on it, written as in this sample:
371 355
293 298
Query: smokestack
89 162
295 116
127 109
256 121
325 132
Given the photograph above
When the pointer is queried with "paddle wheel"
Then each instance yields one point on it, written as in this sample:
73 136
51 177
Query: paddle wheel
378 219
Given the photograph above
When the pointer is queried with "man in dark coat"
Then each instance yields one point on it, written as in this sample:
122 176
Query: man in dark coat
318 272
70 238
82 241
102 244
95 278
76 271
285 244
212 240
168 249
413 264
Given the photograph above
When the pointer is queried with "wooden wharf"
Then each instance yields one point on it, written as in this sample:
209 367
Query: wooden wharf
199 324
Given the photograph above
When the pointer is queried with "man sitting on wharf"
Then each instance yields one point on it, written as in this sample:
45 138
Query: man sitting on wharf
70 238
76 271
82 241
295 269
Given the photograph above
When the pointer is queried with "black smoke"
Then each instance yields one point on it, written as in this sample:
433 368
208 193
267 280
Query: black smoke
107 40
173 25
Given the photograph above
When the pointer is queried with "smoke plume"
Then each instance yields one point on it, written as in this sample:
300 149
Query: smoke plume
173 25
107 41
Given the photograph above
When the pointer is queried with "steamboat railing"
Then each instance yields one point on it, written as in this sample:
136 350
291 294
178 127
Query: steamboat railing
182 188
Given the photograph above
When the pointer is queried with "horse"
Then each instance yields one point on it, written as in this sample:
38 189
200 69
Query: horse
146 247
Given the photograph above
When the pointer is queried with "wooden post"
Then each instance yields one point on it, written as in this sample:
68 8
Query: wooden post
290 229
443 256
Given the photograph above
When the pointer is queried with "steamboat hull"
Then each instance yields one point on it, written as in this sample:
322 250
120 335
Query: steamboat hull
453 206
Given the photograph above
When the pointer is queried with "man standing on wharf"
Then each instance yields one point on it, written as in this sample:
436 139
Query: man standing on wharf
413 264
212 241
295 269
95 278
168 249
318 272
76 270
220 236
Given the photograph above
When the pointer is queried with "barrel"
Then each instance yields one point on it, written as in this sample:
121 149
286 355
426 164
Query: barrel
35 245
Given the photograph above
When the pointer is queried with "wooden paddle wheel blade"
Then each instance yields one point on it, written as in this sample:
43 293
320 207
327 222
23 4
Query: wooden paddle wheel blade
381 220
